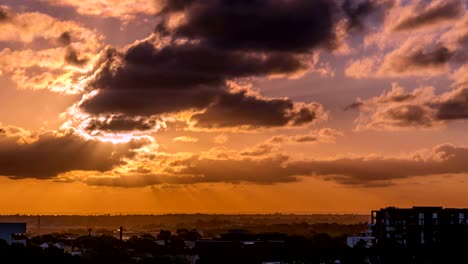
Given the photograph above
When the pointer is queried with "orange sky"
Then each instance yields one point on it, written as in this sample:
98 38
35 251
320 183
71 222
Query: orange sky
208 106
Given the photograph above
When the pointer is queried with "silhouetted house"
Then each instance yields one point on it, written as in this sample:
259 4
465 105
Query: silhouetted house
240 247
13 232
365 237
419 226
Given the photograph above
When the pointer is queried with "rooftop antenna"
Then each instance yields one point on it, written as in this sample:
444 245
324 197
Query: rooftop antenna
90 229
38 225
121 233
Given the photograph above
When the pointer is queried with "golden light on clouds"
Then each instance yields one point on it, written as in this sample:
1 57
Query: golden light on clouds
152 106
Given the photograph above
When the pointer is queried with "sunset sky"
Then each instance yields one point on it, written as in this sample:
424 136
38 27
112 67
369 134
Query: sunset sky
232 106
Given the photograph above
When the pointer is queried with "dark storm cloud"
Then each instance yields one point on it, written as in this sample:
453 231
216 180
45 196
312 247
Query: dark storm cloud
364 171
156 81
218 41
188 66
241 109
50 155
444 11
256 25
153 81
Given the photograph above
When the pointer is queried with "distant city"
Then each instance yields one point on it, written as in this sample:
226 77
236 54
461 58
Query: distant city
391 235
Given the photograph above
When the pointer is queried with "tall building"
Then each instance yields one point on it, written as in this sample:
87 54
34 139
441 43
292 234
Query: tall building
13 232
419 226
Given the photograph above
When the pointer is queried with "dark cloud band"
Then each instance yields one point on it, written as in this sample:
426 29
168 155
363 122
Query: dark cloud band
186 65
50 154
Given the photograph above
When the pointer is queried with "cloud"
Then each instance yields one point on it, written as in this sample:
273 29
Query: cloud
417 60
187 139
120 123
186 65
46 155
259 150
397 109
27 27
124 10
256 26
460 77
65 38
250 111
306 25
452 105
367 171
43 69
435 12
358 11
274 144
55 56
443 159
416 38
456 38
72 57
405 19
327 135
4 14
361 68
205 170
324 135
147 80
420 108
354 105
221 139
417 56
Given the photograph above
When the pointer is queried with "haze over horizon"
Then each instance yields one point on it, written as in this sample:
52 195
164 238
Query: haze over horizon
221 106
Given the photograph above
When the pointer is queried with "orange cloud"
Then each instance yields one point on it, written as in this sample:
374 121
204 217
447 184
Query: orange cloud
60 67
122 9
417 56
420 108
47 154
185 139
257 168
221 139
416 38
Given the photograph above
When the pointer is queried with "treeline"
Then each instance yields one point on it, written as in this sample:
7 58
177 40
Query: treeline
318 248
299 229
75 223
